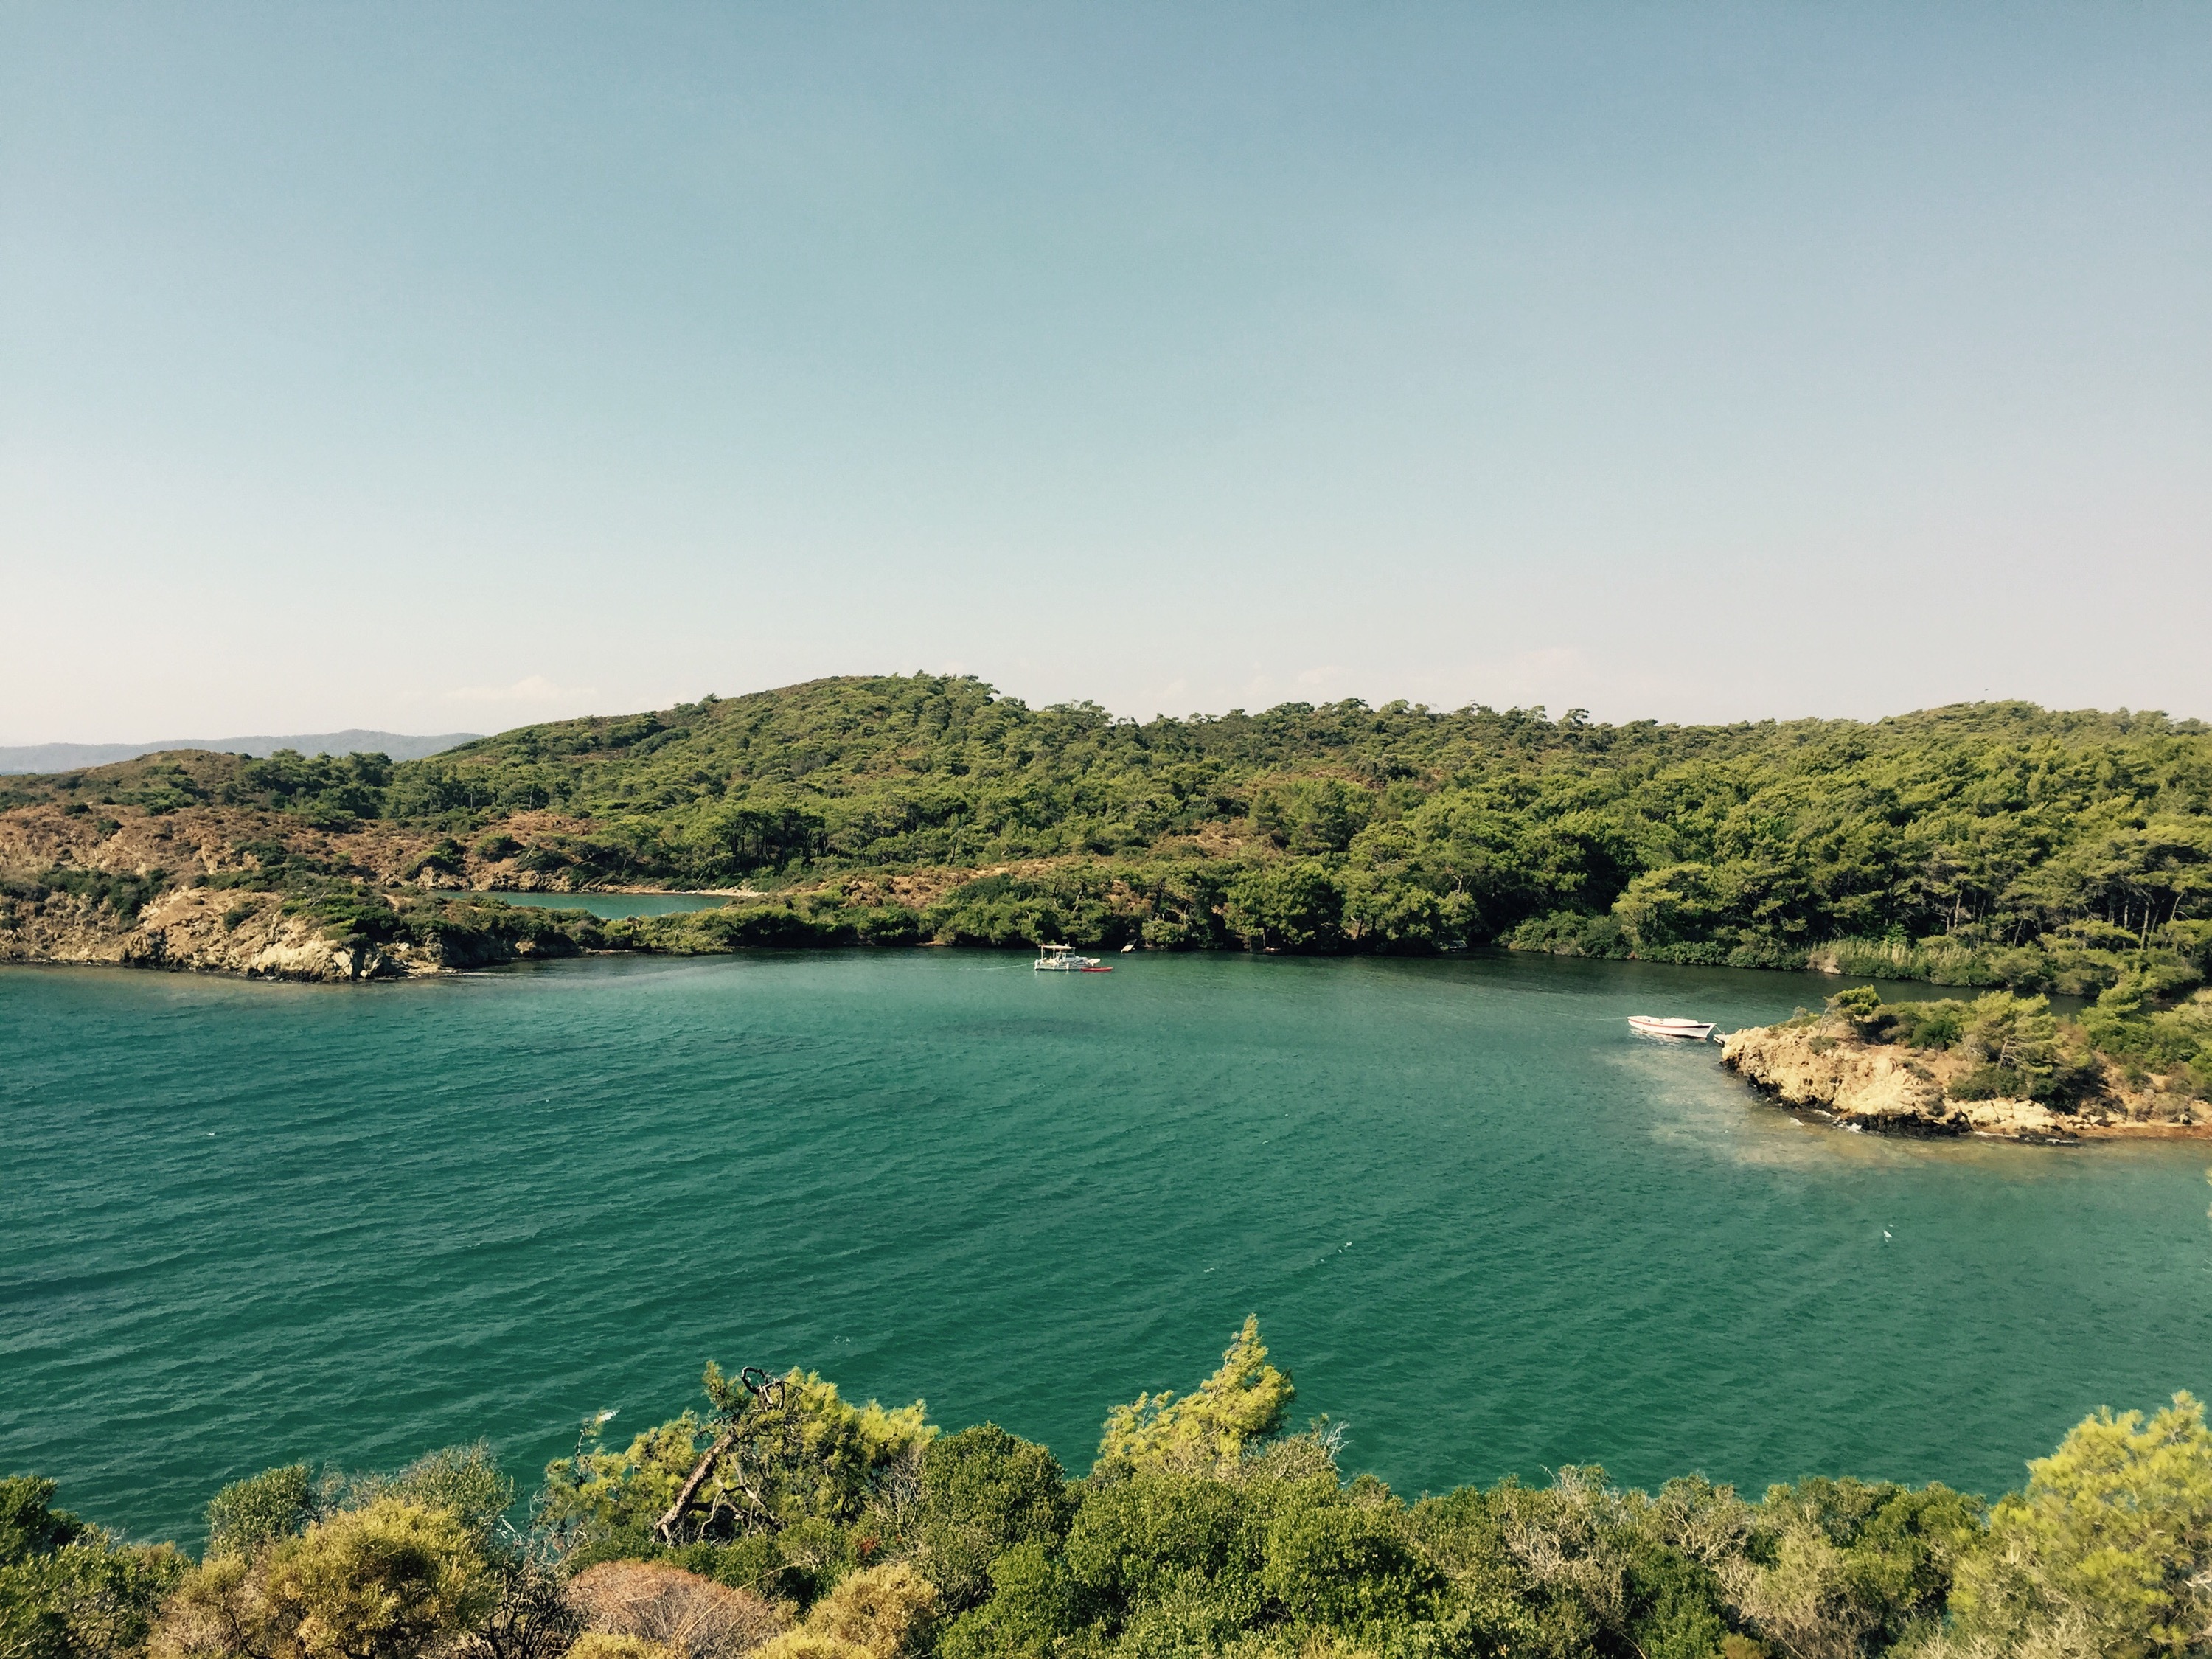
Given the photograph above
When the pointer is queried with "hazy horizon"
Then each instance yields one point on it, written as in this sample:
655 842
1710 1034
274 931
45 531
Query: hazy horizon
66 756
420 370
259 743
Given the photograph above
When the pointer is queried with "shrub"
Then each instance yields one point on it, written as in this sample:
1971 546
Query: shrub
1034 1603
1332 1564
1927 1025
247 1515
443 855
597 1644
329 791
983 1492
1861 1005
29 1524
384 1581
68 1590
1135 1537
804 1643
886 1612
1242 1402
462 1481
122 893
2113 1536
1570 934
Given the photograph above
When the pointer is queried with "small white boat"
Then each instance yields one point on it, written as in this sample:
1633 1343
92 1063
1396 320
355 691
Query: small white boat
1062 959
1651 1025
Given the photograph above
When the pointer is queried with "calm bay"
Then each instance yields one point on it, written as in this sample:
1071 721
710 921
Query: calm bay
1481 1224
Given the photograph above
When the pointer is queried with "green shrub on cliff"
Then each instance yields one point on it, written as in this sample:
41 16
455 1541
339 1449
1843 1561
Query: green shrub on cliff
984 1492
389 1578
2021 1050
2147 1025
861 1533
2107 1552
1209 1428
787 1460
1204 1528
123 893
248 1516
69 1590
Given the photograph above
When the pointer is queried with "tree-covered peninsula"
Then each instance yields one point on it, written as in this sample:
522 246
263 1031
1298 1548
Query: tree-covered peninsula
2133 1062
1982 844
783 1521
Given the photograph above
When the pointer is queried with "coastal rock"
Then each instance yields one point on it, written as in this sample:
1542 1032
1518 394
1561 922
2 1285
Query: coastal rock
195 930
187 926
2022 1119
1882 1087
1821 1066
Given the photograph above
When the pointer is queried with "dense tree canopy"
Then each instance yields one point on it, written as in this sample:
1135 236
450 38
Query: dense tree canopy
1987 828
1990 843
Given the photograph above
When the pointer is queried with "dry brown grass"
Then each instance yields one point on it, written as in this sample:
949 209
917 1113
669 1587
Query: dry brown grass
597 1644
693 1618
805 1644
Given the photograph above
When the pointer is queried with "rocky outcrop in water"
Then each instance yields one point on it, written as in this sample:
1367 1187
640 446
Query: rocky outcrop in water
1820 1067
202 931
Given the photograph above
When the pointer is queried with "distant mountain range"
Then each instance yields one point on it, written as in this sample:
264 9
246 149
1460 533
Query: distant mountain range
67 757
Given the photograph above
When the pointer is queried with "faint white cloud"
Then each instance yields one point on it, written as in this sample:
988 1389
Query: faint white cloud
1318 676
1563 676
1542 676
532 688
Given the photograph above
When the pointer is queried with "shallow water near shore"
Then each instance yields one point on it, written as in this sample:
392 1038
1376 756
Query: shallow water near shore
1481 1223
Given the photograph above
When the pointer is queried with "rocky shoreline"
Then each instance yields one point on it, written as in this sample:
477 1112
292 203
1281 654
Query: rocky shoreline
1820 1067
244 935
190 931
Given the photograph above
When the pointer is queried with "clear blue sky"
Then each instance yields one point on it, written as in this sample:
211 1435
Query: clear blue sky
435 367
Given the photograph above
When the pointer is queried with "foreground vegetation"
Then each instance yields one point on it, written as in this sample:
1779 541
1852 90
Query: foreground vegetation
786 1522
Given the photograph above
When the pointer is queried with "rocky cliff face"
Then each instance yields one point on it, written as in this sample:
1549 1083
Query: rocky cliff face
1821 1067
125 886
200 930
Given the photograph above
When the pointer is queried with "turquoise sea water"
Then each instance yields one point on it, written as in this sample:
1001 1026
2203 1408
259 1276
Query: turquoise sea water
1482 1223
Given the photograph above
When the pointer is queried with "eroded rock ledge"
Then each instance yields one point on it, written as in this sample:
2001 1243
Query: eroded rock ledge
1899 1091
196 930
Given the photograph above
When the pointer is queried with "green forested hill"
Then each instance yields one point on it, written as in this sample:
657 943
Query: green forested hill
1979 828
1979 843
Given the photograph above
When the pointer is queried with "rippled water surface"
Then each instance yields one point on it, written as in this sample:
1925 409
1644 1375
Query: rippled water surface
241 1224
